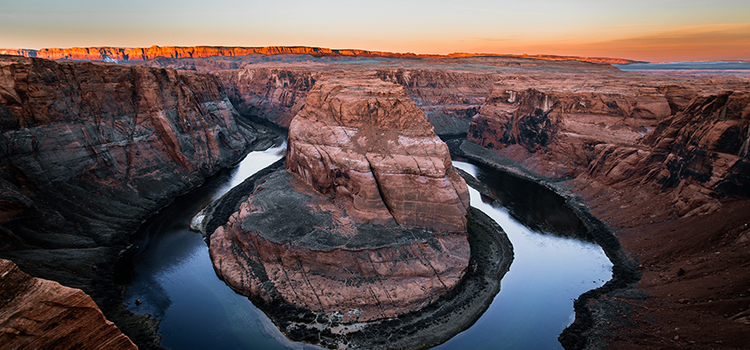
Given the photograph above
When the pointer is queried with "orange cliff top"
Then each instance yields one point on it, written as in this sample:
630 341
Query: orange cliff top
146 53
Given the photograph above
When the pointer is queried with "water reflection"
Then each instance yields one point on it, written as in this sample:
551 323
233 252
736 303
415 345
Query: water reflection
173 278
535 302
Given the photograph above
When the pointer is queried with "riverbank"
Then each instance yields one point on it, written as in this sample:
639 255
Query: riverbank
683 282
694 293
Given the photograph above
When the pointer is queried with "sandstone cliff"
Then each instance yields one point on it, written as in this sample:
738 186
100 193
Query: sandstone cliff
685 139
40 314
367 141
145 53
448 99
368 223
87 152
271 94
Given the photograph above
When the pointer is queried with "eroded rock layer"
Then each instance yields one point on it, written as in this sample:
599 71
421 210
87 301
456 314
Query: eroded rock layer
290 244
367 142
367 220
89 151
690 143
41 314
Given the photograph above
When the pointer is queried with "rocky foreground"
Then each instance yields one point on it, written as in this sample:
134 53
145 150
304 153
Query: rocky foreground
40 314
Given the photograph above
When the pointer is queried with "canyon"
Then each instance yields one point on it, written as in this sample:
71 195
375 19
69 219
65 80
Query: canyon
90 150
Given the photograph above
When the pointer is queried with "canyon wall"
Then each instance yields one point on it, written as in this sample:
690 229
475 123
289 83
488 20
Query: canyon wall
689 141
78 137
40 314
448 99
270 94
145 53
88 152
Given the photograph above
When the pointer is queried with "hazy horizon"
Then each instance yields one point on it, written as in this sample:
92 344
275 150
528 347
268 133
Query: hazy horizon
653 31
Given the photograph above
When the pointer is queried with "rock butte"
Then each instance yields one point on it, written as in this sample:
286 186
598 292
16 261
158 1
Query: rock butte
369 222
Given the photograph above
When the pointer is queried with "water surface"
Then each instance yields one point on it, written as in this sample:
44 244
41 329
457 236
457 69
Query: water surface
174 281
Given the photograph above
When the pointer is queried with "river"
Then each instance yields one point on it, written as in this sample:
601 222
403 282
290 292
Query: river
173 280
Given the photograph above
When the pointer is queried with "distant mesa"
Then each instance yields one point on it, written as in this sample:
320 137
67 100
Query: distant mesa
147 53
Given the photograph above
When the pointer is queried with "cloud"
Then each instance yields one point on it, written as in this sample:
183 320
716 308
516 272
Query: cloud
708 42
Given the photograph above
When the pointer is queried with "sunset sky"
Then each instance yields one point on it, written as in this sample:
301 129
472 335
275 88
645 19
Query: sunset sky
650 30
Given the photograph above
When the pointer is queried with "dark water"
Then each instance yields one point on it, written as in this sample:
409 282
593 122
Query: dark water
173 278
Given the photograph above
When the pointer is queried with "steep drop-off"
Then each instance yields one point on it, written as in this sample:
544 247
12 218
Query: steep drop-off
662 161
87 152
41 314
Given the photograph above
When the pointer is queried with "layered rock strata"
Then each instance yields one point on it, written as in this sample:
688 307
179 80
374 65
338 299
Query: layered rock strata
367 221
448 99
39 314
690 143
145 53
89 151
369 144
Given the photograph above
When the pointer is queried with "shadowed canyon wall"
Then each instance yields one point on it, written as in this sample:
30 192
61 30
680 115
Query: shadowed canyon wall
89 151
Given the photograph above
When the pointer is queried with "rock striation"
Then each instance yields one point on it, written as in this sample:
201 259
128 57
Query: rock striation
37 313
368 143
366 221
89 151
274 95
145 53
687 142
448 99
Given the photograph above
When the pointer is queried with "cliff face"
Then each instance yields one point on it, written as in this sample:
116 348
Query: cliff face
87 152
77 136
367 222
271 94
690 142
367 141
448 99
145 53
37 314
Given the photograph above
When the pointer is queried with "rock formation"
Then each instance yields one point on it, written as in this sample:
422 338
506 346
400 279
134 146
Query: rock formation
271 94
369 221
448 99
695 150
368 143
40 314
89 151
145 53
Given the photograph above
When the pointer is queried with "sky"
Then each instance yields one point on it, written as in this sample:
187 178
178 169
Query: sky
648 30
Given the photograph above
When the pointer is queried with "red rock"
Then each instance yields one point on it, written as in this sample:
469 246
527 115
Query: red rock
273 94
135 134
126 54
695 155
37 314
368 222
365 140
